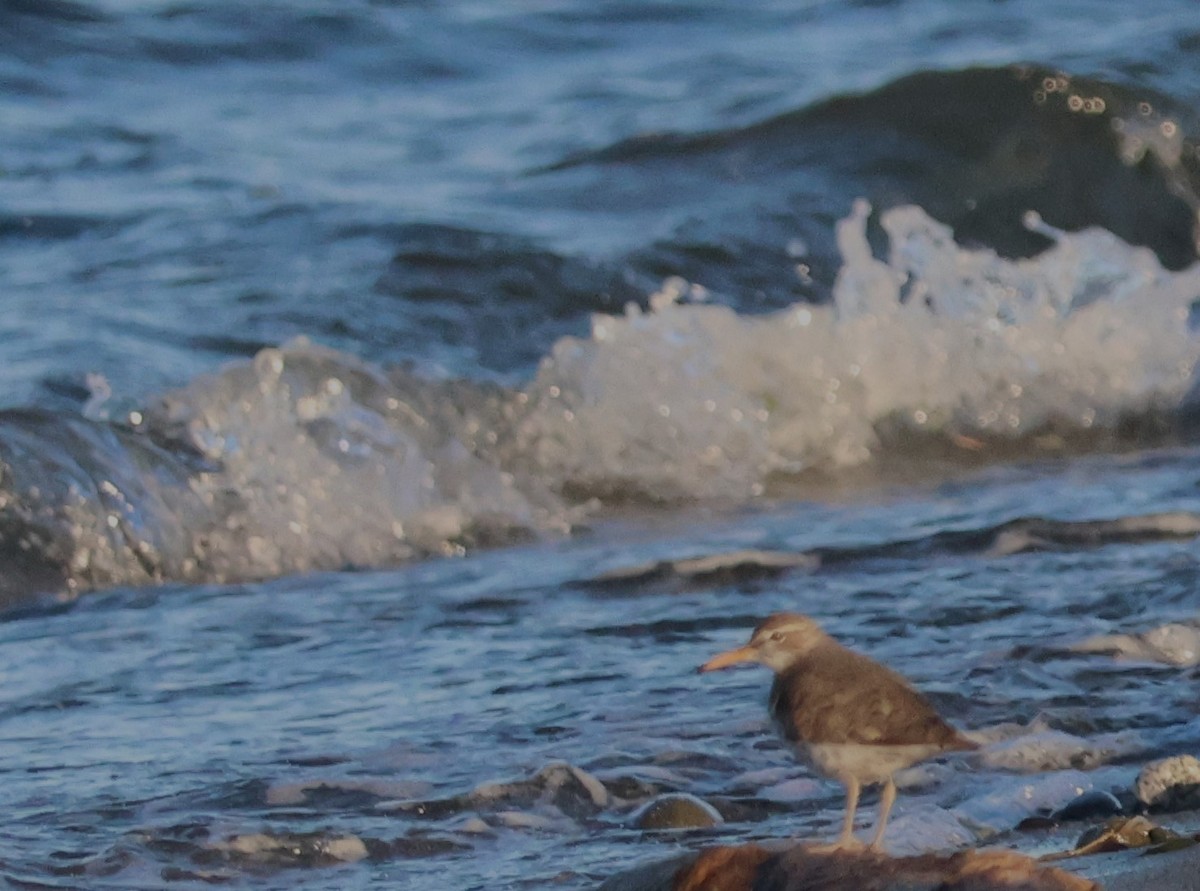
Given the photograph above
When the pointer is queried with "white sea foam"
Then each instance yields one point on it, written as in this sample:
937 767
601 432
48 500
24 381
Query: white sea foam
316 459
695 400
320 463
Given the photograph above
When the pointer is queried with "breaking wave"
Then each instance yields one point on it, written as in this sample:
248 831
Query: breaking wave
308 458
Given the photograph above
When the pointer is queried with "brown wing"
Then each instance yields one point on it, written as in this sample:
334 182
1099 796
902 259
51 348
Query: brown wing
838 696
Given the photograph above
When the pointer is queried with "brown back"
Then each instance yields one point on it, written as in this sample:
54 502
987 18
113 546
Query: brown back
835 695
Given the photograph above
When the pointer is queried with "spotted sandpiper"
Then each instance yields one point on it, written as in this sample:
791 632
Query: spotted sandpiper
849 717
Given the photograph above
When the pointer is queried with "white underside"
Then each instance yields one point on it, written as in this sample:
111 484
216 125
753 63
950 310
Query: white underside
867 764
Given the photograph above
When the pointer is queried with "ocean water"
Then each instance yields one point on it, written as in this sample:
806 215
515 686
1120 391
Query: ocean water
400 400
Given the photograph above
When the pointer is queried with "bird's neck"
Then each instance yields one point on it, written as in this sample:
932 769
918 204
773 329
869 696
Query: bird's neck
797 658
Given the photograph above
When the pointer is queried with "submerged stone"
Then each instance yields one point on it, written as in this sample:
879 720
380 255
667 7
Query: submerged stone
1176 643
1171 784
571 790
1091 804
292 849
526 820
341 793
417 845
676 811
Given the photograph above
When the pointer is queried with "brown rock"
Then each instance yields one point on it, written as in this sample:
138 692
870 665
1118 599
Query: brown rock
1008 869
804 870
753 868
728 868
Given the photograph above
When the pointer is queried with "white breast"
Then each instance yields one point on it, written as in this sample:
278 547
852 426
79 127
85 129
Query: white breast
867 764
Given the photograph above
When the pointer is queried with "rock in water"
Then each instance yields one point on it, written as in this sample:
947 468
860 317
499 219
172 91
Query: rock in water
676 811
1116 835
292 849
1171 784
571 790
1092 803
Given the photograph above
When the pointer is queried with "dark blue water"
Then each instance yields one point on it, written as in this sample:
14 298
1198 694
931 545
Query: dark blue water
402 398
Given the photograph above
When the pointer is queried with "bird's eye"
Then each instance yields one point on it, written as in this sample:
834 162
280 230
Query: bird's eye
777 636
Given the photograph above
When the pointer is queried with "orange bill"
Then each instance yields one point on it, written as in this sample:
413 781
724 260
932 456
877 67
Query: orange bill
730 657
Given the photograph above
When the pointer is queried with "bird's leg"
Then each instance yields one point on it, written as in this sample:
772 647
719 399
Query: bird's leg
886 799
846 841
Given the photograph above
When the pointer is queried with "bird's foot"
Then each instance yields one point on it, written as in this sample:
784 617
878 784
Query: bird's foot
847 845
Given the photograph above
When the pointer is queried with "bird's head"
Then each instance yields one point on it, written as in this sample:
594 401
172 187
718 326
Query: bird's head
778 642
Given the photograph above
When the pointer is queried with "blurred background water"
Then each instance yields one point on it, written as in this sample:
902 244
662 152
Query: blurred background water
401 399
